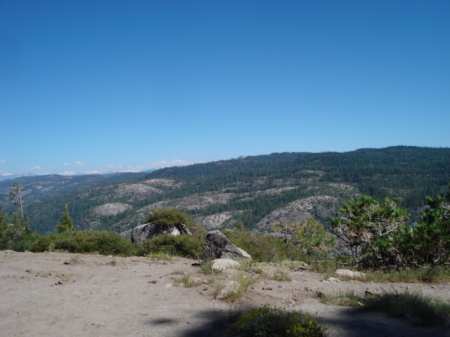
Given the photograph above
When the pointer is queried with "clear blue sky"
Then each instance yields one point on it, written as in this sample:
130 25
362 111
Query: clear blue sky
131 85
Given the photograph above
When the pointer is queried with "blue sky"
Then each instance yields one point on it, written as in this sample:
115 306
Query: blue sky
96 86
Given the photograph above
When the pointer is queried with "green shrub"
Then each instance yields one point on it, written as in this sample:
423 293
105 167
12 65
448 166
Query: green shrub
429 241
44 243
168 217
370 230
379 238
105 243
19 241
269 322
15 233
309 234
190 246
24 241
265 248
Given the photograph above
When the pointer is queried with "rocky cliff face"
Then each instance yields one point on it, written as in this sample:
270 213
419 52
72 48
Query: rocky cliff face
321 207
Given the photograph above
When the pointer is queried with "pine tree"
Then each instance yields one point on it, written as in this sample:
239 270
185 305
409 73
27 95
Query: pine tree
66 223
16 198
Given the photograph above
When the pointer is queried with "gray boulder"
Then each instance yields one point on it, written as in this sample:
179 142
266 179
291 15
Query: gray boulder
220 264
150 230
218 246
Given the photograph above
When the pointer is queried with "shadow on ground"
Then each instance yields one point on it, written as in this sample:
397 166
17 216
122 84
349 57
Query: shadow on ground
355 323
348 323
213 323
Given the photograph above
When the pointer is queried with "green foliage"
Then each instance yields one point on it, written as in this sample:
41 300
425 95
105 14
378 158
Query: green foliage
309 235
270 322
312 236
370 230
430 239
66 223
169 217
23 241
15 235
378 237
265 248
190 246
105 243
16 198
7 231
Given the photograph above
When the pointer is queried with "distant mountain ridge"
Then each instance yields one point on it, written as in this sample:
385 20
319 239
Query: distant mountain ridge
15 176
255 190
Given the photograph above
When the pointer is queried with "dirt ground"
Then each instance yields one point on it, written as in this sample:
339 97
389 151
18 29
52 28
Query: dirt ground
60 294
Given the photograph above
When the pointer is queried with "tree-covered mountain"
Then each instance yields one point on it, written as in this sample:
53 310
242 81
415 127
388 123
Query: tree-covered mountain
255 190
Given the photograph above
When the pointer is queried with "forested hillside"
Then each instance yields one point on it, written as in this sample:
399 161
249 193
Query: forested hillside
256 190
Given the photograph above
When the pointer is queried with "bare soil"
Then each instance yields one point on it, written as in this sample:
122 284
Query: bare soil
60 294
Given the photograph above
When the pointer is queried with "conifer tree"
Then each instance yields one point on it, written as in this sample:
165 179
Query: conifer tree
66 223
16 198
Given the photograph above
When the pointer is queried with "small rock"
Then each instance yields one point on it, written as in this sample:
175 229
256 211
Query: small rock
349 273
299 265
334 280
153 281
98 324
371 292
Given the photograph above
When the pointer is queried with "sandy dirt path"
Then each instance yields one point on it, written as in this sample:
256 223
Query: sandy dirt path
60 294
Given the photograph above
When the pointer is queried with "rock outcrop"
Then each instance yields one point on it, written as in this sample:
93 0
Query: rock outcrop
150 230
218 246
